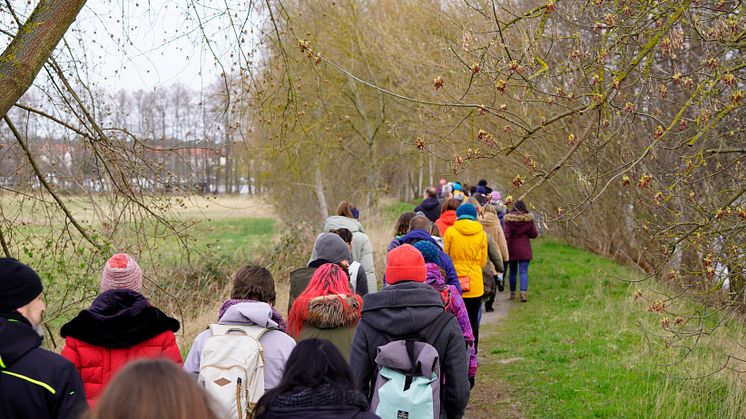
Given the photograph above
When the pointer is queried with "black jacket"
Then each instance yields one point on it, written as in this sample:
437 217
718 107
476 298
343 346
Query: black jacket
430 207
406 308
35 383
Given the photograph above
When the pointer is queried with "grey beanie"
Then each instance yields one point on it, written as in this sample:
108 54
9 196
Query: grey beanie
331 248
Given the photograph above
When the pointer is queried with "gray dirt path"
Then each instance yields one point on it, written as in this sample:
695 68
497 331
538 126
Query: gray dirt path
490 399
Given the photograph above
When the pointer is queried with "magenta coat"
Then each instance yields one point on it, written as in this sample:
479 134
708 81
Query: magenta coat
519 229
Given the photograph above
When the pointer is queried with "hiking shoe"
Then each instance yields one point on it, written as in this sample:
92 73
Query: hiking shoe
488 309
523 297
500 284
512 295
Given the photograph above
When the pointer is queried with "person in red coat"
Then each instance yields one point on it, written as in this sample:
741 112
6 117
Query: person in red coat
119 327
519 228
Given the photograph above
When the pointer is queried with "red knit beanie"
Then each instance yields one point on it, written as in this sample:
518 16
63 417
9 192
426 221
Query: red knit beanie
405 263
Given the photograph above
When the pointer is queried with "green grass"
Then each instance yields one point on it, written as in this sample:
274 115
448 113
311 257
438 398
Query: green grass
393 209
583 352
215 248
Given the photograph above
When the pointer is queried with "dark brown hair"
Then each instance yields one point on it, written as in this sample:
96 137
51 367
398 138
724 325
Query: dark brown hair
431 192
450 204
153 389
402 224
344 233
254 283
520 206
312 363
345 209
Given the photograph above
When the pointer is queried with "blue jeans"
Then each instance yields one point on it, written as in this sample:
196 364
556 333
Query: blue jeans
519 267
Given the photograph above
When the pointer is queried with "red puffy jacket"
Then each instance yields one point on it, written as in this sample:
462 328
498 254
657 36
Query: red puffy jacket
120 326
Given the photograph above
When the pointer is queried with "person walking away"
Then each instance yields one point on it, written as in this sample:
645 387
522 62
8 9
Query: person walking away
317 383
497 203
418 231
327 309
447 215
153 389
329 248
481 187
458 192
408 308
119 327
441 187
362 250
358 278
467 245
491 225
402 224
452 300
430 206
248 329
519 230
34 383
490 272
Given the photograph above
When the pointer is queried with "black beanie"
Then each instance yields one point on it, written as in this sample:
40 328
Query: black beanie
19 284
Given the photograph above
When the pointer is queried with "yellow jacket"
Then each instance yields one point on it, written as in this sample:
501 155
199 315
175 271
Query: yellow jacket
466 244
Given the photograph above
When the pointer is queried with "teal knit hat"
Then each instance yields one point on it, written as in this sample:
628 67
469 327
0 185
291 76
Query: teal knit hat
466 211
429 251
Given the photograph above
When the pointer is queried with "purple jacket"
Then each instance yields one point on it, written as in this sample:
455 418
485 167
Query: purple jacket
456 307
444 262
519 229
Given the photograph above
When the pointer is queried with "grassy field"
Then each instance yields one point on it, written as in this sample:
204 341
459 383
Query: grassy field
578 349
183 275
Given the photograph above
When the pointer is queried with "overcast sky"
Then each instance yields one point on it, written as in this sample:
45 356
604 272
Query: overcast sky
140 44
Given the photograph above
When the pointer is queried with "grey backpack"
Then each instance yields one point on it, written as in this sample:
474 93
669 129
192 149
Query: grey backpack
409 378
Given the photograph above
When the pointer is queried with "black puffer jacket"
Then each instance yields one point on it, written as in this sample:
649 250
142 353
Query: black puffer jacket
35 383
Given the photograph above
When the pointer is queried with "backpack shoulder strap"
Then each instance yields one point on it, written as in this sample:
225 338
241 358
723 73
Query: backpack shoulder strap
430 333
253 331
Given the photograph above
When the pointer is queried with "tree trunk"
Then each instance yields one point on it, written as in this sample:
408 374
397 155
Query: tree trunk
323 209
34 43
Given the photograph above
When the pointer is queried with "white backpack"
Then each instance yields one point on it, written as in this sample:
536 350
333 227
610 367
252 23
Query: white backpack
353 270
232 368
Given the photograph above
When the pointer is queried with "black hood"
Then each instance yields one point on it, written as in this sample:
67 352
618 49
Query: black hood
119 318
17 338
402 309
430 203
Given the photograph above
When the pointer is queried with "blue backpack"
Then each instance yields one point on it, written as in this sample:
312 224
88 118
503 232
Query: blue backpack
408 384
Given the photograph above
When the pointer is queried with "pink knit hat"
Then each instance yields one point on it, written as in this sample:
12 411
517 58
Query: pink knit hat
121 271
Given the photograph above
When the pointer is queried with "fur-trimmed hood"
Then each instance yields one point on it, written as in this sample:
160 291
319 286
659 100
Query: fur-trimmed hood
332 311
514 217
119 318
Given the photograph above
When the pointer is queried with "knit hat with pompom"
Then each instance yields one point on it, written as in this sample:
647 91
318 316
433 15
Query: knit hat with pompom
121 271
